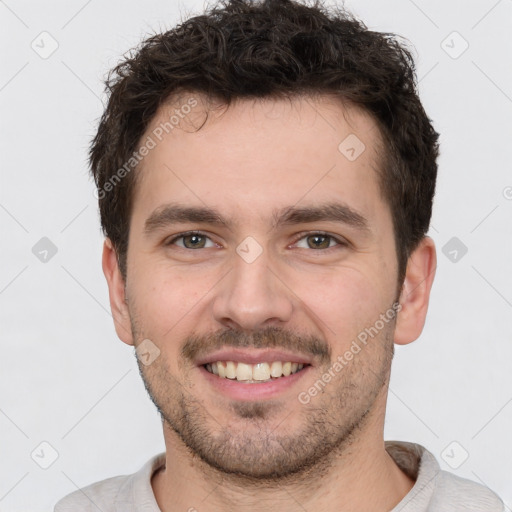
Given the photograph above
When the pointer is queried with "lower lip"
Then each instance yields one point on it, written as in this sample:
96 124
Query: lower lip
254 391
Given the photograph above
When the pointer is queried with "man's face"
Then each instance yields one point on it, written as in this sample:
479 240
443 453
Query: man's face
266 289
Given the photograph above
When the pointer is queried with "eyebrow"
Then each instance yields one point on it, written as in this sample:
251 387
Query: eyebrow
176 213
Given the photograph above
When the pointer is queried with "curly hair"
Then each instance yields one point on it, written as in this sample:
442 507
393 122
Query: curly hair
241 49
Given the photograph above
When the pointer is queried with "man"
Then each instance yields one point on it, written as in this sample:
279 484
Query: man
265 177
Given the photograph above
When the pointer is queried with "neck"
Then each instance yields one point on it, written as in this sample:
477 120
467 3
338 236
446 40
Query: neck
361 476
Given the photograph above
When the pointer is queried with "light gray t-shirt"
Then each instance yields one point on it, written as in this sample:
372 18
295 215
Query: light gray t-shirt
435 490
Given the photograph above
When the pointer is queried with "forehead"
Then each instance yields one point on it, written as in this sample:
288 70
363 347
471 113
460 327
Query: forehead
259 154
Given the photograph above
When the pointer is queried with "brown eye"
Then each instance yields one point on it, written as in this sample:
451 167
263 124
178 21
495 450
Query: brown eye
192 240
319 241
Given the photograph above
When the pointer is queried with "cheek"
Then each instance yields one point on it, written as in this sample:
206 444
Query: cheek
167 297
345 302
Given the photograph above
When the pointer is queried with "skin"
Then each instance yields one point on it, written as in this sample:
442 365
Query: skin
259 156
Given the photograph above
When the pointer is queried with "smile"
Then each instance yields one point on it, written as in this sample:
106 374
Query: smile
253 373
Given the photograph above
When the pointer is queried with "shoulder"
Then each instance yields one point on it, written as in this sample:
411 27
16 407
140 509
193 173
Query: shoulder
435 489
117 494
100 495
454 492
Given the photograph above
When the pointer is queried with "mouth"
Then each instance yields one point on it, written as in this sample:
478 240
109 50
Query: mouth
242 374
253 373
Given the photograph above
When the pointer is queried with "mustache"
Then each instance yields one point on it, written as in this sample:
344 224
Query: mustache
197 346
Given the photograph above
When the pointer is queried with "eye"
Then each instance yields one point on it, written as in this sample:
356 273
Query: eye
198 240
321 241
191 240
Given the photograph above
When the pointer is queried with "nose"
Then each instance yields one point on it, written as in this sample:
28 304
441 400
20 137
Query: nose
252 296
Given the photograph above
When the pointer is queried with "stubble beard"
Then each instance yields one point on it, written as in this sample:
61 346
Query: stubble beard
251 441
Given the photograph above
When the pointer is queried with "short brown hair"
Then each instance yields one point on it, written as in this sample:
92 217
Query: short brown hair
274 48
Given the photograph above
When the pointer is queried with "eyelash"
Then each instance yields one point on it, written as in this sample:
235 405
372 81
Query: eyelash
340 243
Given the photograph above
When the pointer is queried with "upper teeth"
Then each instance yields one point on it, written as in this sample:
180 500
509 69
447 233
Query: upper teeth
248 372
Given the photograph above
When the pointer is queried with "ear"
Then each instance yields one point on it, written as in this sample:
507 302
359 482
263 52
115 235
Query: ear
116 292
419 276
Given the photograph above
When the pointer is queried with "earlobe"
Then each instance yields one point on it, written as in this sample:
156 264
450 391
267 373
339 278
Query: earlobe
415 294
116 291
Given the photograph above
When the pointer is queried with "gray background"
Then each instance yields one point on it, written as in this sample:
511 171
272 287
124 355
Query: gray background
65 378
